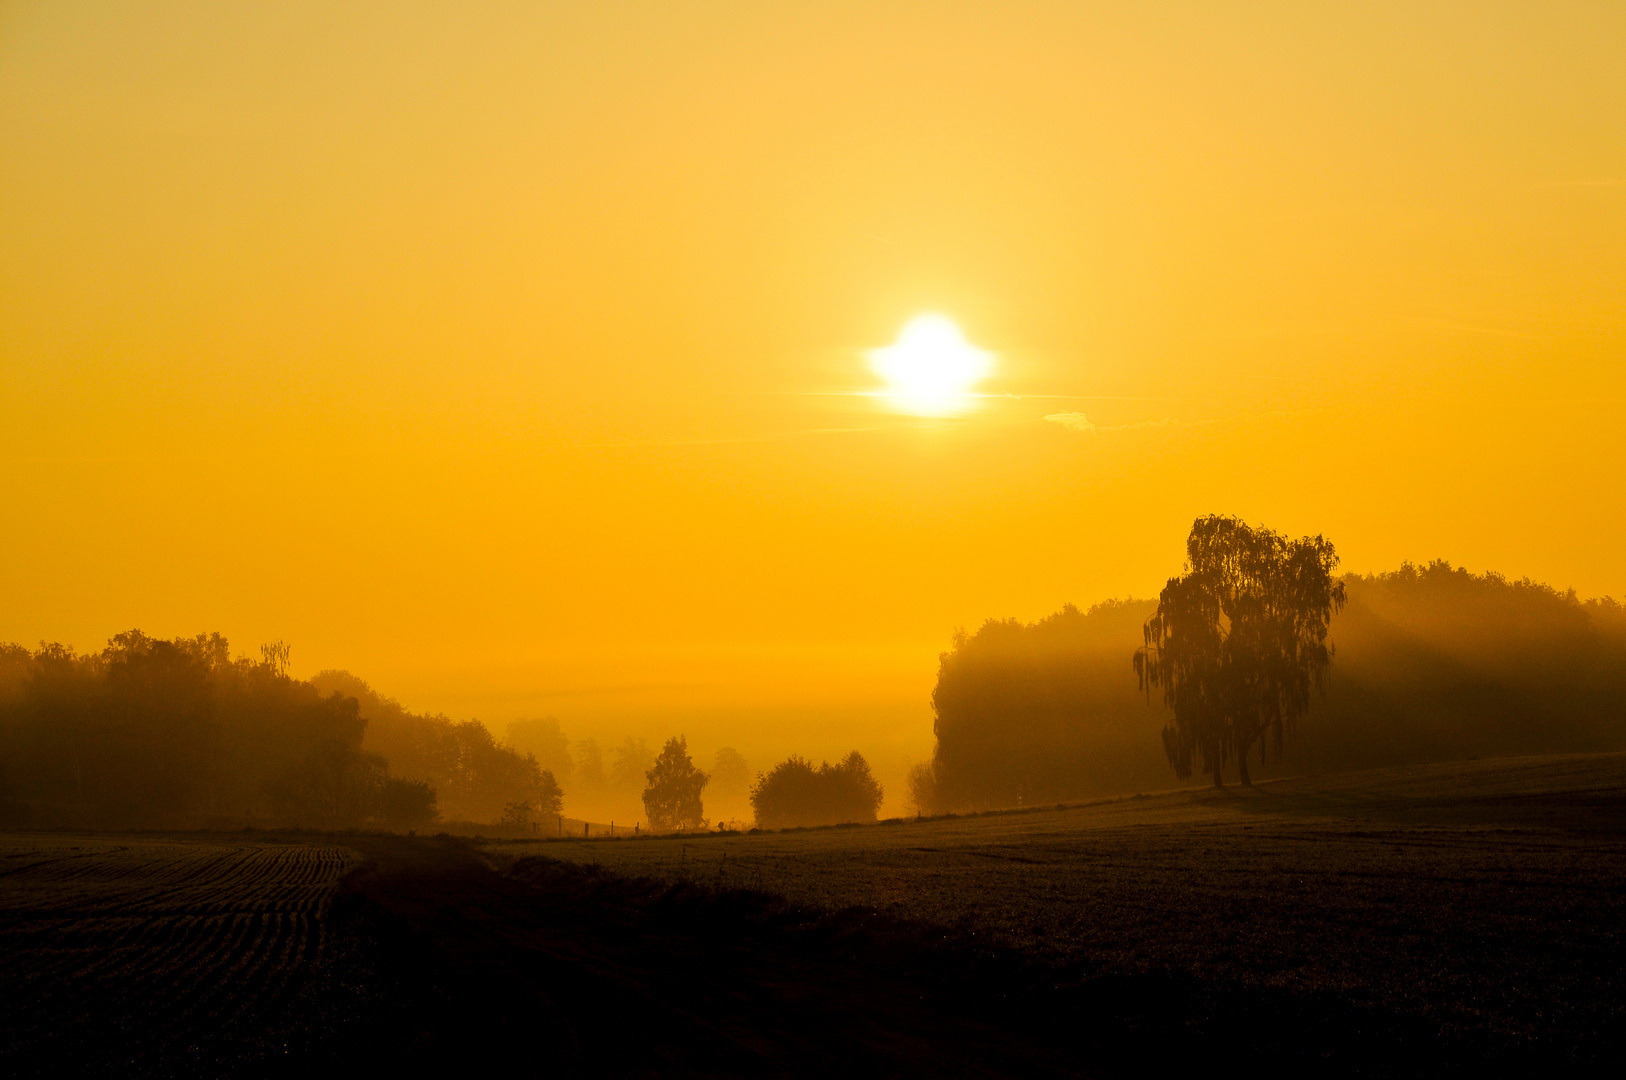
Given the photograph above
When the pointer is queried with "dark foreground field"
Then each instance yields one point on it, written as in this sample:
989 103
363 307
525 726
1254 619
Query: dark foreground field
1438 919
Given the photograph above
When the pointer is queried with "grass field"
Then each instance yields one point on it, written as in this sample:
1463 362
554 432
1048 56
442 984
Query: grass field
1419 921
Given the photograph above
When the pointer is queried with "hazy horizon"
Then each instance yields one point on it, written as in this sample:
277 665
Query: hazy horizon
523 361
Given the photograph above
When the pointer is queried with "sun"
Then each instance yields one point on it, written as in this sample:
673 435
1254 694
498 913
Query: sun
931 369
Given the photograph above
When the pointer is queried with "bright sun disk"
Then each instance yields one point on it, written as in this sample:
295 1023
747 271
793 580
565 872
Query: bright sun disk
931 369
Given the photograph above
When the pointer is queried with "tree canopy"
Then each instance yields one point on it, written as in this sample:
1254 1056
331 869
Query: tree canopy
795 793
1433 663
1239 641
1036 712
177 733
672 789
542 739
475 776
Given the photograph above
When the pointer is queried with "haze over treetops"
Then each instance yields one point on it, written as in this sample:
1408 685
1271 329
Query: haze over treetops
521 359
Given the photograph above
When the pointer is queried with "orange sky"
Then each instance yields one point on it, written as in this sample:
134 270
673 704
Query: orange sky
505 354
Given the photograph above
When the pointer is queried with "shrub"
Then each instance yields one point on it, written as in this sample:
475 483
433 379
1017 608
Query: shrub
795 793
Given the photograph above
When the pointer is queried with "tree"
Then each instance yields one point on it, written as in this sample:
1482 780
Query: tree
589 766
547 801
730 771
923 788
274 656
1238 641
474 777
794 793
672 791
632 761
543 739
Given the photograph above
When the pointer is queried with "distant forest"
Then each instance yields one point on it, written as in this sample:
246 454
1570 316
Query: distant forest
475 777
152 733
1431 663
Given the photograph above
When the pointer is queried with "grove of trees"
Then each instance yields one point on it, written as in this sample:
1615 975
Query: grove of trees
177 733
1036 712
1431 663
543 740
795 793
475 777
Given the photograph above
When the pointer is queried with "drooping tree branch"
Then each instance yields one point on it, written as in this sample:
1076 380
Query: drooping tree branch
1239 641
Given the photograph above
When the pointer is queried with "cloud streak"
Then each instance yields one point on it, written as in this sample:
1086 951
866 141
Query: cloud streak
1077 421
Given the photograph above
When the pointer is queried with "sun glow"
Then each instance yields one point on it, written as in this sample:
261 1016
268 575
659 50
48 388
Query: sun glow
931 369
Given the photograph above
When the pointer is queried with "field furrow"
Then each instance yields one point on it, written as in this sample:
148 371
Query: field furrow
142 945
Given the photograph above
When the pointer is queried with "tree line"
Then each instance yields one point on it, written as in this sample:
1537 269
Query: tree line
149 732
178 733
791 794
475 777
1258 653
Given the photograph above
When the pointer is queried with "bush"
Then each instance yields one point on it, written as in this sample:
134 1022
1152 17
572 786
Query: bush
406 804
794 793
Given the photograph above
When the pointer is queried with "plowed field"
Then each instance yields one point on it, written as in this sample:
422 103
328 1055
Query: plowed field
139 955
1448 920
1476 907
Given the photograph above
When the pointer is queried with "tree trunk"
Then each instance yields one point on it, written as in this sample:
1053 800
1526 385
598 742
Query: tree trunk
1242 764
1219 779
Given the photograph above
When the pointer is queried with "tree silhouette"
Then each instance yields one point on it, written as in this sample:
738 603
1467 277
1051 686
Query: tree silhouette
729 769
543 739
672 794
1031 713
632 762
473 775
923 788
274 656
1238 641
794 793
